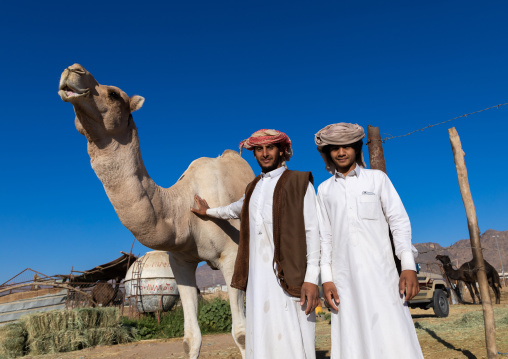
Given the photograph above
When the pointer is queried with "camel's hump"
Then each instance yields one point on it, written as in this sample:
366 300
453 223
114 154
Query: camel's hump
230 153
221 160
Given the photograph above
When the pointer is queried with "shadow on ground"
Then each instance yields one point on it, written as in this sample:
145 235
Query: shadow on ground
322 354
433 334
421 316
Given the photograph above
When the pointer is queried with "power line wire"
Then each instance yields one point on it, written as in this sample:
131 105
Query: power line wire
451 247
440 123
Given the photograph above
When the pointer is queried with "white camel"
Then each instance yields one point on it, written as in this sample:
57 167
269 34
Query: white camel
160 218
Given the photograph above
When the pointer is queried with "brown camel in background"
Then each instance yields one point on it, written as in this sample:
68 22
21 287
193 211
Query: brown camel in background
104 294
468 274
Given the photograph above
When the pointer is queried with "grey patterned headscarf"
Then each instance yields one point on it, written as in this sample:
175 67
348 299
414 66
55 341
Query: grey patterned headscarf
339 134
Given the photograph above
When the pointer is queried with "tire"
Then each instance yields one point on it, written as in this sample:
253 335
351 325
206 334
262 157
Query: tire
440 304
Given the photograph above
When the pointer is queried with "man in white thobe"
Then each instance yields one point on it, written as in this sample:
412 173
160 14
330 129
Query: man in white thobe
356 209
280 317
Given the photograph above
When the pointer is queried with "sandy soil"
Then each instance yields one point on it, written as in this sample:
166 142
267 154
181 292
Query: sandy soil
442 342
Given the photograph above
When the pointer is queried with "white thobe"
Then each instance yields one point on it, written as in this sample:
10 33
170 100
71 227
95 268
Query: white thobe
276 324
354 213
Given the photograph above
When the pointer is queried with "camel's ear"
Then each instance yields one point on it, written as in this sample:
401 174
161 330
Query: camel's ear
136 102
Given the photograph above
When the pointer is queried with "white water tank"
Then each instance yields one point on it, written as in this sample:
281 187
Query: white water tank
150 284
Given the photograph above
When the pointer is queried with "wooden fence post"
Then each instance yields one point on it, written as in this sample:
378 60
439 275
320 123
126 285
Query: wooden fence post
376 154
377 162
474 235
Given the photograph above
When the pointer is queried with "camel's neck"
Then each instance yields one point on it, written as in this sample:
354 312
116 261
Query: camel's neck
450 272
141 205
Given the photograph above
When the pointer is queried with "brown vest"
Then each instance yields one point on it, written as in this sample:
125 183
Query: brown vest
290 244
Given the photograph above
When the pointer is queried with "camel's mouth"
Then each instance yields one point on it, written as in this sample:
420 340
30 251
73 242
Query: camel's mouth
68 92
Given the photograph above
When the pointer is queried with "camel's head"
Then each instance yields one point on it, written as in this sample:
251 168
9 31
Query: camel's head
443 259
101 111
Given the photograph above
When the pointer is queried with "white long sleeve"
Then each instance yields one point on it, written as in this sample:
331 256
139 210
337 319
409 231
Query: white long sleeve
312 234
325 232
399 223
231 211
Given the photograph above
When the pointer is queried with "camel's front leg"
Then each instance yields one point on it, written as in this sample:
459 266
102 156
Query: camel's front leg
185 276
468 285
456 289
236 302
477 292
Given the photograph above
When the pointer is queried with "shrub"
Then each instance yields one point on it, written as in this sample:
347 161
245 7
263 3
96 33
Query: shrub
146 326
172 325
214 317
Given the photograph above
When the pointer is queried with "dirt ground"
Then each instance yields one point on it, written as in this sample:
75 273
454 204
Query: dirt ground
437 340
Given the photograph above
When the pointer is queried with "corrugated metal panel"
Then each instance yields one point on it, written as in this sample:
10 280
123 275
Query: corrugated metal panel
14 310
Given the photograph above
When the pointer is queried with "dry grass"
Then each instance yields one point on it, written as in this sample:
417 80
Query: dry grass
63 330
13 340
58 320
461 334
70 340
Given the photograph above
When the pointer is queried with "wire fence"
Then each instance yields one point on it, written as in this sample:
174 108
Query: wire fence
390 137
79 294
430 265
440 249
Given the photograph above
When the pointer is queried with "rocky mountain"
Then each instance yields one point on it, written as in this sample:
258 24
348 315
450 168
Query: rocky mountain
459 252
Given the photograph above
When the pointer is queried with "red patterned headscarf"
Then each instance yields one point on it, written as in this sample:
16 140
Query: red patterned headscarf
268 137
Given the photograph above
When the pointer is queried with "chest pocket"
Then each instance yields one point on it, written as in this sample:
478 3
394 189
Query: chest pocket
369 206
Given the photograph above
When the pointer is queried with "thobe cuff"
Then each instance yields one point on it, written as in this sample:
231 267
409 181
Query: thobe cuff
407 261
326 274
212 212
312 274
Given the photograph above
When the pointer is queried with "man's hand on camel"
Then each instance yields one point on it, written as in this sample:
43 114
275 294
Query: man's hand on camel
202 206
409 283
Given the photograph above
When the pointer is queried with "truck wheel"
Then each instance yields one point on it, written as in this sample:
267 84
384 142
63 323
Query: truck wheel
440 304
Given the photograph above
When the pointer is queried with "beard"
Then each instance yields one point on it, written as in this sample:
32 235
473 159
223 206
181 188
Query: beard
269 168
274 166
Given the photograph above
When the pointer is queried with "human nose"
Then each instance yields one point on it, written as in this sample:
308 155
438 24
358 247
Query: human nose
341 151
265 152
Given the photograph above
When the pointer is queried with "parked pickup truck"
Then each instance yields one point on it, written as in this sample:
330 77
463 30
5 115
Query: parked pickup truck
434 294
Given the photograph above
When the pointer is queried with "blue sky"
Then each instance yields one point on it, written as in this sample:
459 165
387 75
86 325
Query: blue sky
214 72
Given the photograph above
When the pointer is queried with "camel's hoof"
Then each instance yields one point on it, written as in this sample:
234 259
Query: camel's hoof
241 340
186 347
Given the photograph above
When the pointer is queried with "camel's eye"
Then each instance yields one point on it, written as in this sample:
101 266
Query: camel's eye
114 95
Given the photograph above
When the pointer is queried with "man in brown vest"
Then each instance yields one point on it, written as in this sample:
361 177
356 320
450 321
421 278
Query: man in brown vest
278 254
